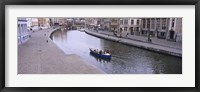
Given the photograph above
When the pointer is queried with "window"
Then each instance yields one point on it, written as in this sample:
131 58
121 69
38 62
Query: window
152 23
144 22
131 28
126 22
138 22
162 34
164 26
121 22
137 28
158 24
173 20
132 21
19 29
164 19
25 28
164 23
125 28
148 23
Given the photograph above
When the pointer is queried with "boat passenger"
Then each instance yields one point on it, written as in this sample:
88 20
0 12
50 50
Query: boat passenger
107 51
104 52
100 52
97 51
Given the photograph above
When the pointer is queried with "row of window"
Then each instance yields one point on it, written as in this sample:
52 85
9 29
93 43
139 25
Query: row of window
131 29
22 28
125 22
164 23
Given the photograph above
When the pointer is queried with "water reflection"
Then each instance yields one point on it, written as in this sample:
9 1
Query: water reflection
125 59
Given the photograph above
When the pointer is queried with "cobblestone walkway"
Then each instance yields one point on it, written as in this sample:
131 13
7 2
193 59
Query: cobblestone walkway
39 55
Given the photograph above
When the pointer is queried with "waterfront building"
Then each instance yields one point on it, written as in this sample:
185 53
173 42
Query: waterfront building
103 24
164 28
106 25
100 23
175 29
70 22
29 23
91 23
32 23
156 27
50 22
114 24
124 25
135 26
78 23
55 21
62 21
130 26
22 31
43 23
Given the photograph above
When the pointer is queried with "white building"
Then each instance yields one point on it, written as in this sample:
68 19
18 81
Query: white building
124 24
130 26
32 23
175 29
135 26
55 21
23 33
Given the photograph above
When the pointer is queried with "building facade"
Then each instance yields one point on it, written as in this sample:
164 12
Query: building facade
62 21
55 21
103 23
43 23
165 28
175 29
106 24
124 24
114 24
91 23
156 27
32 24
135 26
22 30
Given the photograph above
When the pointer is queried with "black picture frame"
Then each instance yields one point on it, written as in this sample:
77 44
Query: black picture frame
99 2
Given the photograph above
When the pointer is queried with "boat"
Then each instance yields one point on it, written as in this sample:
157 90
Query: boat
82 30
104 56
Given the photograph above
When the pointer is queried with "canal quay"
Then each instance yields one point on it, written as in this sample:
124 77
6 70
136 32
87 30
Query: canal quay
162 46
39 55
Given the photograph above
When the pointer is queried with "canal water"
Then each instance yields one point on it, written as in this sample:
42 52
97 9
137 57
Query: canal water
125 59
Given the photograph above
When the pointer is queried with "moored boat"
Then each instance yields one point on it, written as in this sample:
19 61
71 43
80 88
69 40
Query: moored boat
82 30
97 54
